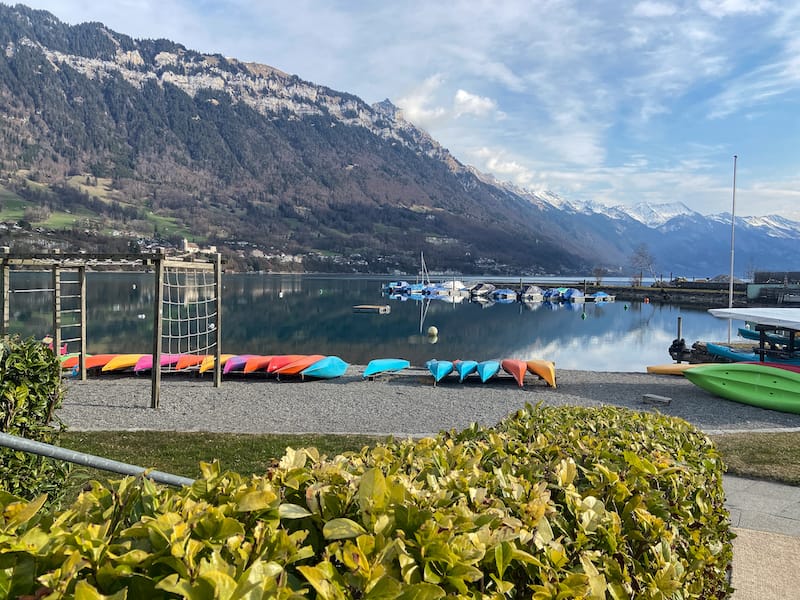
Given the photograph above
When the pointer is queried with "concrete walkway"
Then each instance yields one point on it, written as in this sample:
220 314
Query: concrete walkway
765 517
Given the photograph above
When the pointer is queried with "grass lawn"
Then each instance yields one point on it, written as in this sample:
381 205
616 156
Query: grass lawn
774 456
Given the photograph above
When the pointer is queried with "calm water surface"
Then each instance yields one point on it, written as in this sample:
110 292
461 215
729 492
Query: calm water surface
313 314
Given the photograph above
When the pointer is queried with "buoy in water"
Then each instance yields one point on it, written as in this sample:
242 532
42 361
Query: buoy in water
433 331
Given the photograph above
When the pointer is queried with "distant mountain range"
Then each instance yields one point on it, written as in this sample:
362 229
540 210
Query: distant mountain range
113 142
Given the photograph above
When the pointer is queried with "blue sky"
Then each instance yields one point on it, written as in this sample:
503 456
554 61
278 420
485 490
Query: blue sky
608 101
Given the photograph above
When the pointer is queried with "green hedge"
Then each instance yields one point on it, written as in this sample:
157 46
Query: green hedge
30 392
551 503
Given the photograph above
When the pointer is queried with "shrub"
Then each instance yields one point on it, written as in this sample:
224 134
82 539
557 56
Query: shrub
551 503
30 392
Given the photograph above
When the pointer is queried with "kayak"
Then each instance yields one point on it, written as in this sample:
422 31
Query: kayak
488 369
121 362
208 361
329 367
145 363
739 356
301 364
384 365
673 368
516 368
439 369
756 384
282 360
258 362
189 360
544 369
465 368
236 363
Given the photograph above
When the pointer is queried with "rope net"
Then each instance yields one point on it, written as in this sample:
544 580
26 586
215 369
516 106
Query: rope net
189 314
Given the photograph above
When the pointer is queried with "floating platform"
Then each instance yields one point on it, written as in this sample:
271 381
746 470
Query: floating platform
381 309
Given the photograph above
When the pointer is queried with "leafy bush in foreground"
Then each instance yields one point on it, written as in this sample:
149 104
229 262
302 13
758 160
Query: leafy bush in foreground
551 503
30 392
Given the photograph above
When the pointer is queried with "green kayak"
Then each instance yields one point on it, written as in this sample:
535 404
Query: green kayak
758 384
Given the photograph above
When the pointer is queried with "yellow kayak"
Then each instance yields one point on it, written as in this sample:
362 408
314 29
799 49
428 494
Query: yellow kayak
122 361
544 369
208 361
672 368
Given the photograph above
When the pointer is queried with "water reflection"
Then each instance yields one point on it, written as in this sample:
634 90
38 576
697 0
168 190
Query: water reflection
282 314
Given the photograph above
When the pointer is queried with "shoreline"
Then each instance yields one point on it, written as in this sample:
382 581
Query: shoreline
402 404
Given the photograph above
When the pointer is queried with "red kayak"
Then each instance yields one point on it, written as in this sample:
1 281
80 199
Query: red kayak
294 367
516 368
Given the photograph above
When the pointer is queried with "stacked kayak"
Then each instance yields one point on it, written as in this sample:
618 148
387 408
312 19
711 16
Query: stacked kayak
766 385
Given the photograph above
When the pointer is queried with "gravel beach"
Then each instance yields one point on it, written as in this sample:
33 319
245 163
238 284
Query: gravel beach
402 404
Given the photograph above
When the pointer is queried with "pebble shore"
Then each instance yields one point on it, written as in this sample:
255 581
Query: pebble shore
402 404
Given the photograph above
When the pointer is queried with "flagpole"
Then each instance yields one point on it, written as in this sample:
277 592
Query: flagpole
733 229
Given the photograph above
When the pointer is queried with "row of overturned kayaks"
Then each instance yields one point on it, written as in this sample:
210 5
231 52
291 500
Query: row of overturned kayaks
485 370
302 365
306 366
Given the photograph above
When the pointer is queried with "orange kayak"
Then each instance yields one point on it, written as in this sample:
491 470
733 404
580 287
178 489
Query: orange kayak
516 368
294 368
544 369
257 363
96 361
282 360
189 360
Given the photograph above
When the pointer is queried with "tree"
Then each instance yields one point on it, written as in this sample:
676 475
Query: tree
642 260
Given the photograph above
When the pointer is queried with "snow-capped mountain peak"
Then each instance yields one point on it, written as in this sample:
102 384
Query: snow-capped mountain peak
655 215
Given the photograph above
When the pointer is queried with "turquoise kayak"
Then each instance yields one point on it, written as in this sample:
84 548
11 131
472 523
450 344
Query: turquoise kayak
739 356
465 368
439 369
385 365
329 367
488 369
756 384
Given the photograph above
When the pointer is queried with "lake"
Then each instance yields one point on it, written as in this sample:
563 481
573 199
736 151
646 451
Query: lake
313 314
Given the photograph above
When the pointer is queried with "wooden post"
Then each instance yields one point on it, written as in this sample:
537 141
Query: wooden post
82 316
218 322
155 372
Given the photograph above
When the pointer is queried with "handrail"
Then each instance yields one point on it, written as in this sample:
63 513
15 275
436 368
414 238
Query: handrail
90 460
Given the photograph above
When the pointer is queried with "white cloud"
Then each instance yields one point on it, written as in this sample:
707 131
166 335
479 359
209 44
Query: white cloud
470 104
654 9
416 105
725 8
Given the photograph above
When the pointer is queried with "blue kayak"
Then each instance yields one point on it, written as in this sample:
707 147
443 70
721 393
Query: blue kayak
465 368
385 365
439 369
326 368
488 369
739 356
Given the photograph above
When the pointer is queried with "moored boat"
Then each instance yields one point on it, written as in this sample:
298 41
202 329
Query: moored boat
328 367
504 295
544 369
516 368
756 384
531 293
384 365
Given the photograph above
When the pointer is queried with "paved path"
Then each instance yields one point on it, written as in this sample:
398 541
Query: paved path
763 506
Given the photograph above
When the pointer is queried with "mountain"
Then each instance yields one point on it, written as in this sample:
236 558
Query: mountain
110 142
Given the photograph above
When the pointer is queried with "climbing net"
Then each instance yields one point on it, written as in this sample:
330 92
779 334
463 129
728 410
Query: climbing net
190 311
